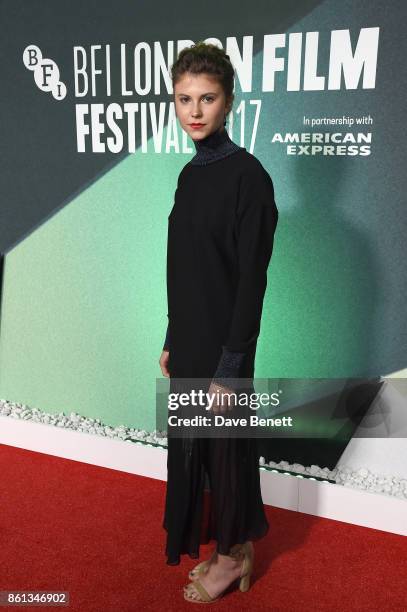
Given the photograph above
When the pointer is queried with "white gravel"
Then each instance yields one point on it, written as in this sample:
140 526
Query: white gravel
361 478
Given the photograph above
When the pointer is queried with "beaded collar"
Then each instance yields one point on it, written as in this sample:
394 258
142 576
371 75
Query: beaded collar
216 145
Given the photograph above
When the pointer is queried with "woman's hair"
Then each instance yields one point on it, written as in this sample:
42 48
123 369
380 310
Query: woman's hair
205 58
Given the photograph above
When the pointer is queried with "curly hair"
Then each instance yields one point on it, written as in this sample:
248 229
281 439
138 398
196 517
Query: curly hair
205 58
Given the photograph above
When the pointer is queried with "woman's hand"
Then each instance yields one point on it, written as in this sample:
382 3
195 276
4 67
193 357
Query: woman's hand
226 402
164 362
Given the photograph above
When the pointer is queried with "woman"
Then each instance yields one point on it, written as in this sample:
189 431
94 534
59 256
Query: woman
220 239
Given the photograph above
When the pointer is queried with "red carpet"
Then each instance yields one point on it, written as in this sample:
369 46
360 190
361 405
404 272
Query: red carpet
97 533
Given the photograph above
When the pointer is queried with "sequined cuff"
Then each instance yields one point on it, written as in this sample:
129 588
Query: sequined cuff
229 365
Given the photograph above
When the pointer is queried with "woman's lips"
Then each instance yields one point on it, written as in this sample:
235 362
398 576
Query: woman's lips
196 126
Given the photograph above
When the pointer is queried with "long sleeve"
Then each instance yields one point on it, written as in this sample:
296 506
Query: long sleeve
256 222
166 346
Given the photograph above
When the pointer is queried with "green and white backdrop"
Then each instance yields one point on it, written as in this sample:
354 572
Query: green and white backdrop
91 152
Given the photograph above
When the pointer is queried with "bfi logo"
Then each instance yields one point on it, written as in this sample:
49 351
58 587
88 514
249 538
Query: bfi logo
46 72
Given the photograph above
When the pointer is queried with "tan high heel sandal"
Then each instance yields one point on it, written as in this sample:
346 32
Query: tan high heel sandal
245 551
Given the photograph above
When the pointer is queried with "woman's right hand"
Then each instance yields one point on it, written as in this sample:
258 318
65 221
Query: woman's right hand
164 363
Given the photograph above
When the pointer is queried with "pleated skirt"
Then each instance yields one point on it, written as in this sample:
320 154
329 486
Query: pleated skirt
236 512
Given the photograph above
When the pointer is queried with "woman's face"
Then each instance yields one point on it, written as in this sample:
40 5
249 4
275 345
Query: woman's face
200 99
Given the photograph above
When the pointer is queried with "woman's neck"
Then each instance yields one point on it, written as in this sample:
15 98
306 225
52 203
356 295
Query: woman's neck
216 145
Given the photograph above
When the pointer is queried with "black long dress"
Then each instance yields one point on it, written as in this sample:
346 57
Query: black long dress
220 240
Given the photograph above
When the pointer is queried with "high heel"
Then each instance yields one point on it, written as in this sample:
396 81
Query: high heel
247 567
245 551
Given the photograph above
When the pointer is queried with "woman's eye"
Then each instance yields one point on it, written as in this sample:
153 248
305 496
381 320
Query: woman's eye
209 98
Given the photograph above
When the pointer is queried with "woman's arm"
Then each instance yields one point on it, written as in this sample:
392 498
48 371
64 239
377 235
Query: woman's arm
256 222
166 346
165 355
